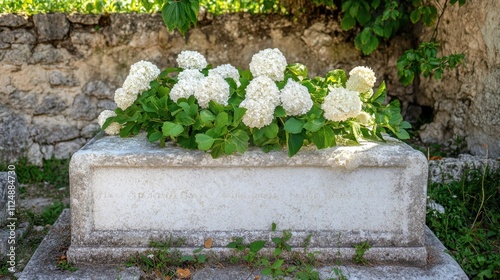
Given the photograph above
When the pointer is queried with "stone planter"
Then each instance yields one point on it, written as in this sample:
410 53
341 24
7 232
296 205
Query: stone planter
126 192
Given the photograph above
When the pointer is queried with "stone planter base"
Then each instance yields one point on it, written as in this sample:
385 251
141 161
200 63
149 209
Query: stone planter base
127 192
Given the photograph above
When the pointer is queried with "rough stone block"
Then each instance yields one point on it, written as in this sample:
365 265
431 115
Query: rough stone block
51 26
5 181
126 192
11 20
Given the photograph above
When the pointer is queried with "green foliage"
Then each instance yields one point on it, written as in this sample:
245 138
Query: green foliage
53 171
424 61
50 213
360 253
470 225
219 129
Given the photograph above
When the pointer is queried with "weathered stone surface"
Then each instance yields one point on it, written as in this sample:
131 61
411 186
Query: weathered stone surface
84 108
453 169
47 54
10 20
23 100
347 195
51 105
99 89
14 135
84 19
18 54
51 26
51 133
58 78
43 267
66 149
471 94
18 36
47 151
106 105
90 130
34 154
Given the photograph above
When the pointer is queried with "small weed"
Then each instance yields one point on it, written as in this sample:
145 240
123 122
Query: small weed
339 274
360 253
65 265
53 171
50 214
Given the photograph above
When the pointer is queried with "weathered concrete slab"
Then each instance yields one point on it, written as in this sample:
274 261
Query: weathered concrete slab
42 264
126 192
11 230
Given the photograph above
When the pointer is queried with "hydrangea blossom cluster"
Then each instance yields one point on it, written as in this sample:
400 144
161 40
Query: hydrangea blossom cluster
186 84
270 63
295 98
114 127
262 97
140 75
227 71
341 104
361 79
213 87
191 60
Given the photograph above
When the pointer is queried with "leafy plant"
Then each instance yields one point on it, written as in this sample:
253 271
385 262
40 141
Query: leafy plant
359 254
219 129
50 213
469 227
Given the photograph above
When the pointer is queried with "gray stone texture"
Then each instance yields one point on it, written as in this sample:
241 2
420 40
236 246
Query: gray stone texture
10 20
41 266
112 178
7 179
14 136
68 57
51 105
51 26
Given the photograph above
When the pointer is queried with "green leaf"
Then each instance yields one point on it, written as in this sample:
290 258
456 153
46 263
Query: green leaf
206 116
256 245
271 131
204 141
363 15
155 136
380 95
314 125
415 16
238 115
293 125
239 138
299 70
273 226
266 271
402 134
188 258
279 112
295 142
405 125
222 120
347 22
172 129
277 264
324 137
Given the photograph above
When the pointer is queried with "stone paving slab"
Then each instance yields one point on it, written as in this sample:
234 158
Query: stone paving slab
43 264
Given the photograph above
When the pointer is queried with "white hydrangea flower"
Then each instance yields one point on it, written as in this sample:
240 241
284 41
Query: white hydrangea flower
258 114
364 118
361 79
190 74
139 77
188 80
264 89
114 127
341 104
124 99
295 98
270 63
227 71
213 87
191 60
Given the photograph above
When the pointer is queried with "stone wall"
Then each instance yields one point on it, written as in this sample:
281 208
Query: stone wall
467 103
58 72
